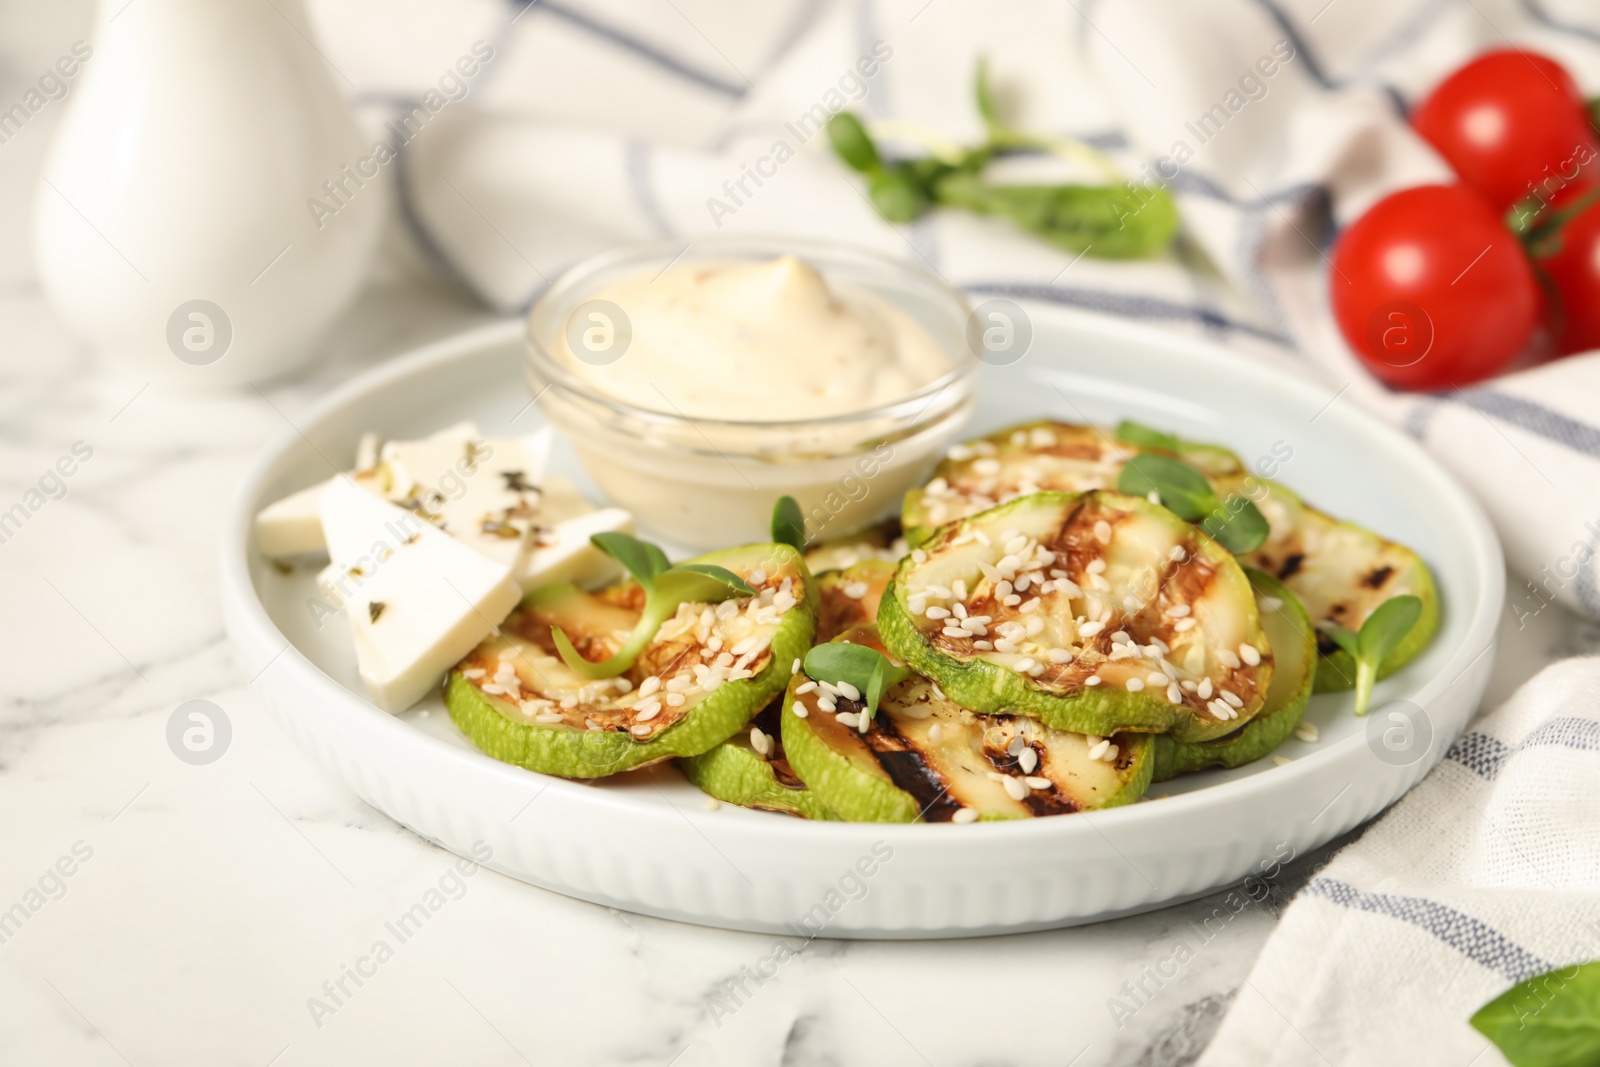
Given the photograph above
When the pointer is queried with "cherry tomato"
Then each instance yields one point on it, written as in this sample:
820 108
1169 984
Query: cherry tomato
1431 290
1570 257
1512 124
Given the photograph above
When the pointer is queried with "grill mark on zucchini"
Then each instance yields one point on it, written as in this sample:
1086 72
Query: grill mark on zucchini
767 721
1376 578
1290 566
908 768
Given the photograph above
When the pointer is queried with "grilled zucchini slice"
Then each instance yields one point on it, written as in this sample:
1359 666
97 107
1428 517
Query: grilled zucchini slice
706 672
882 541
1094 612
1033 457
1294 670
1341 572
925 758
850 597
737 772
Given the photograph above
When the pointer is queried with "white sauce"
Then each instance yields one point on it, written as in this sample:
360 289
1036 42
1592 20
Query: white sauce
767 342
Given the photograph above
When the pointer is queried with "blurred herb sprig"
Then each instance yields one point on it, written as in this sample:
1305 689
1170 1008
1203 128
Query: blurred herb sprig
1119 220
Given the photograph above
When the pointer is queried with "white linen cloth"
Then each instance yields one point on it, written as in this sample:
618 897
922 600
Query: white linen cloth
599 122
602 122
1485 874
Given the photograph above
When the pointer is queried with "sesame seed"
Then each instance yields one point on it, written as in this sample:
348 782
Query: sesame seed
473 672
1120 637
937 613
935 733
958 589
981 537
845 718
794 668
1015 788
1226 657
804 687
1089 629
919 556
1110 754
800 711
1205 689
1102 532
1099 748
493 690
675 700
712 803
863 721
825 703
1183 625
965 815
1270 603
986 646
1178 611
1281 761
1307 732
1096 566
714 643
1174 694
649 711
916 605
849 691
1024 665
1093 679
1059 655
1156 678
639 730
1132 605
1154 497
1250 654
1027 759
1135 684
959 610
649 685
1231 697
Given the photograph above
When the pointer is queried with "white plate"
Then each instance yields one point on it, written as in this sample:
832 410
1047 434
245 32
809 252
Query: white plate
647 842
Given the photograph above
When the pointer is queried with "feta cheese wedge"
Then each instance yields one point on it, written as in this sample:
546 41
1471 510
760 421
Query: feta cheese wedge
562 551
291 526
417 599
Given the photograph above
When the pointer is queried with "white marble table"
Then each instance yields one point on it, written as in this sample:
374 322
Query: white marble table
210 910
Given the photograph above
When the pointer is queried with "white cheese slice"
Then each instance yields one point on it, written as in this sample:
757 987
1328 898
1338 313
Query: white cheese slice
417 599
562 551
291 526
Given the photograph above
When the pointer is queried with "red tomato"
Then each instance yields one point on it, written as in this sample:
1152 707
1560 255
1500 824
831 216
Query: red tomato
1431 290
1573 264
1512 124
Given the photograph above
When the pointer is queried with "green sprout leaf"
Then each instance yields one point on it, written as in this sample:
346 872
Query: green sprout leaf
665 587
984 94
896 194
852 143
1134 433
865 669
1183 490
1385 628
1551 1020
1237 525
788 524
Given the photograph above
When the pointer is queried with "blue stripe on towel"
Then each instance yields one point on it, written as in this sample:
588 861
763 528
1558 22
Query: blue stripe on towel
1485 756
1536 419
642 48
1473 938
1128 305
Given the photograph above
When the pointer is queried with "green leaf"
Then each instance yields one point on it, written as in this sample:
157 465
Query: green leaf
983 94
1183 490
1134 433
1383 629
642 559
1237 525
1552 1020
1105 221
1343 636
896 195
698 583
1388 625
687 583
852 143
788 524
867 669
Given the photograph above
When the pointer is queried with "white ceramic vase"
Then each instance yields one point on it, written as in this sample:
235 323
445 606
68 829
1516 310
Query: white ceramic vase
172 222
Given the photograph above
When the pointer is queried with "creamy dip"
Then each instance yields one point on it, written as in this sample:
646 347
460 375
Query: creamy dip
763 341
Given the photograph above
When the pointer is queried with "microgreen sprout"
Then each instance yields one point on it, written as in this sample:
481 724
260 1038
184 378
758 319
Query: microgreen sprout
1134 433
788 524
1549 1020
865 669
665 587
1384 629
1234 523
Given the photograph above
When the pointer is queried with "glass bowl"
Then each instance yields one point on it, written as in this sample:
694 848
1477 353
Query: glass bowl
704 482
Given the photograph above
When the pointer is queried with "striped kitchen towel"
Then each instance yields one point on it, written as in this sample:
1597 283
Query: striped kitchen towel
1484 875
530 135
